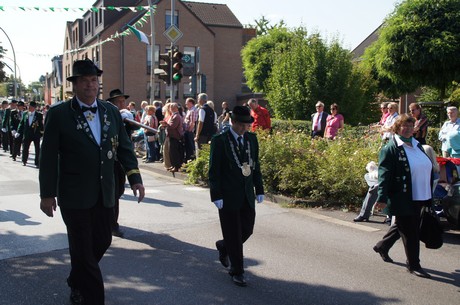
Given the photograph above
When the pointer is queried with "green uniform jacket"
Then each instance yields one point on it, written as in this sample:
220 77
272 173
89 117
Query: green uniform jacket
225 177
33 131
15 119
395 182
73 167
6 119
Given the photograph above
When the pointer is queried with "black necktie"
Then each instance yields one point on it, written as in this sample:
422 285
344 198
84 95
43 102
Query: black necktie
240 145
92 109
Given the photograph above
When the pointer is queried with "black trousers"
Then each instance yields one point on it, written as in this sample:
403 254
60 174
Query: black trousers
26 146
17 142
120 179
176 152
90 235
189 145
10 141
406 227
237 226
5 141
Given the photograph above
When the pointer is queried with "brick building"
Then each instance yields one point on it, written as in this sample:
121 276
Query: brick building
126 62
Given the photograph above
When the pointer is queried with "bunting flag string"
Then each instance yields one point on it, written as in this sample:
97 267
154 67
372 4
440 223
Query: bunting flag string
71 9
140 23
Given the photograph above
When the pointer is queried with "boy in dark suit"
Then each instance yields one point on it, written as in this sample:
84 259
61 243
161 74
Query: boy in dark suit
234 175
83 137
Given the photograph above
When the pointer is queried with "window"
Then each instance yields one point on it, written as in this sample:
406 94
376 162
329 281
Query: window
168 19
156 90
149 59
168 92
187 89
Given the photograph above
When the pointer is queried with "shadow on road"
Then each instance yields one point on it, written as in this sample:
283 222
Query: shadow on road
150 268
19 218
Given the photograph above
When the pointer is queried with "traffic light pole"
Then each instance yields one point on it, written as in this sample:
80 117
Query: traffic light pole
171 82
152 53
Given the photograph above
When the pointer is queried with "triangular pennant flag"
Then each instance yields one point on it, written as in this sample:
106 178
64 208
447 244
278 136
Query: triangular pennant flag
140 35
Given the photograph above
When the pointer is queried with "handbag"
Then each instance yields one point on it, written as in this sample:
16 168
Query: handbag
431 230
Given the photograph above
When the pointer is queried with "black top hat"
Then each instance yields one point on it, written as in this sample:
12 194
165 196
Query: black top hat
14 102
33 104
116 93
83 68
5 102
21 103
242 114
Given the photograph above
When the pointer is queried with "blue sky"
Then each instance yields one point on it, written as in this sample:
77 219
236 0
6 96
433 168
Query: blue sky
36 37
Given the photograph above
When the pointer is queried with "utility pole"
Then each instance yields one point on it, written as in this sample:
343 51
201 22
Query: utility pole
171 95
152 53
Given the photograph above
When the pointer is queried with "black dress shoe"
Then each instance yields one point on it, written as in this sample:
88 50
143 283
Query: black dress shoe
239 280
223 256
118 233
420 273
383 254
76 298
361 219
24 163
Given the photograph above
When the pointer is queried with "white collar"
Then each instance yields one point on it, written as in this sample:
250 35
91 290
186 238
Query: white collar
400 142
94 104
235 135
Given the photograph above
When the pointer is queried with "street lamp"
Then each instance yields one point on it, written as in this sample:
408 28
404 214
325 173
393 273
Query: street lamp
14 56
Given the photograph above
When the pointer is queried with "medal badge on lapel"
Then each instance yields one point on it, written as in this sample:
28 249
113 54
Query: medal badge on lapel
112 153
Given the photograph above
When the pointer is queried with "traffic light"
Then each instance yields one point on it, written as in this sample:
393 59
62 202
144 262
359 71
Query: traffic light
164 68
176 58
10 89
192 84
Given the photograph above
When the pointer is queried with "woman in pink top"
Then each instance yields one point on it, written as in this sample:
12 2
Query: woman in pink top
334 122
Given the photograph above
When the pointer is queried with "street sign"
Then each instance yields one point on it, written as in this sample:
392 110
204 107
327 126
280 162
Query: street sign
173 34
186 58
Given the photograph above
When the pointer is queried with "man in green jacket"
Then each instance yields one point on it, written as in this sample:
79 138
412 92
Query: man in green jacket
235 183
82 139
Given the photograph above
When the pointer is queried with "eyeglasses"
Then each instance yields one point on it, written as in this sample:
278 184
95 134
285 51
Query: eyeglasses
333 109
319 106
412 110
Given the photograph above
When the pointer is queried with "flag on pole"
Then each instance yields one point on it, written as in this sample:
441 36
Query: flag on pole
140 35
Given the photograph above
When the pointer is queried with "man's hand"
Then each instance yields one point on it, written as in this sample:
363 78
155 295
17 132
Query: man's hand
4 129
219 203
17 135
260 198
138 187
48 205
196 139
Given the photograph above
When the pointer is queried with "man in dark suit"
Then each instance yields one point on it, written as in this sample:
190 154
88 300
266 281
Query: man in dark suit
15 119
4 137
318 121
82 139
234 175
31 130
6 125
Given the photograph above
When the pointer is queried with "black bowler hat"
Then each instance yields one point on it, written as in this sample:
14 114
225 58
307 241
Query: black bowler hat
33 104
14 102
116 93
21 103
84 68
241 114
5 102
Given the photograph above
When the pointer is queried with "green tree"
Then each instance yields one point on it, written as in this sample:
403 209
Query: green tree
419 44
2 65
307 69
263 26
258 56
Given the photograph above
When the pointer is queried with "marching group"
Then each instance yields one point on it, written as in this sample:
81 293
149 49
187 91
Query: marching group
86 156
20 128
